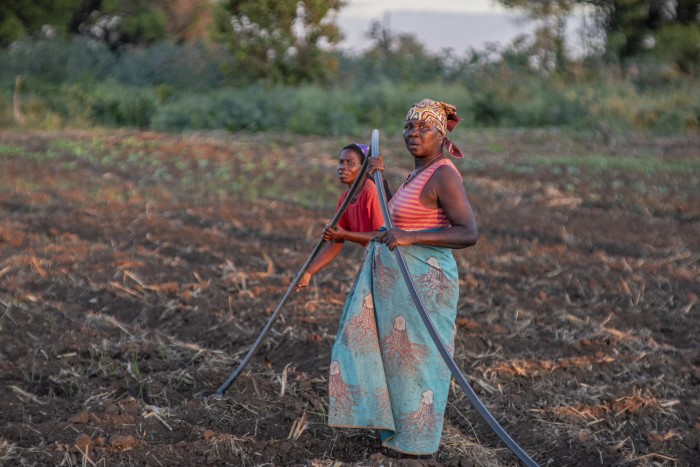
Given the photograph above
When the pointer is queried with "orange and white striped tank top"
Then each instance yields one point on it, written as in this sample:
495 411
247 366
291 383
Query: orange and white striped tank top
406 210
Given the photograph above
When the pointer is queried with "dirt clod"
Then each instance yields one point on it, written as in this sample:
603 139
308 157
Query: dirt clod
80 418
122 442
83 442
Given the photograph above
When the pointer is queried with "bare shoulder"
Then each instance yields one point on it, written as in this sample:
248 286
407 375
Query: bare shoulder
447 174
449 167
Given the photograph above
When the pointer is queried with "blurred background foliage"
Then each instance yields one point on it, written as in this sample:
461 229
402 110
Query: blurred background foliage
180 65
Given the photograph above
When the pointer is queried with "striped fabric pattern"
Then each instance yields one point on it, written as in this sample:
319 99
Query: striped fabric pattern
407 212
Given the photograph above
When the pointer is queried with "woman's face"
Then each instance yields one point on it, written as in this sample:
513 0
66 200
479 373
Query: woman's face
421 139
349 166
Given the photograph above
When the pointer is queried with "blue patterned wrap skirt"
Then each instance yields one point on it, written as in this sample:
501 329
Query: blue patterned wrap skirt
386 372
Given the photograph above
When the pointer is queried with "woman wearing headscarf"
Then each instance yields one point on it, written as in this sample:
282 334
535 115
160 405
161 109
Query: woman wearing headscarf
386 372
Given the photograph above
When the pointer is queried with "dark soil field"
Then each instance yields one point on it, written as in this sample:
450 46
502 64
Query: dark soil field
136 269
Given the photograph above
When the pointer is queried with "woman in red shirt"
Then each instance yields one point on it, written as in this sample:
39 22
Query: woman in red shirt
361 220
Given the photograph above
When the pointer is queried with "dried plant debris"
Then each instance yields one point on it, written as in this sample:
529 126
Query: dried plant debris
136 269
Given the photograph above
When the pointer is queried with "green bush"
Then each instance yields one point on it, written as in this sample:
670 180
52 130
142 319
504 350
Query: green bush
190 66
316 110
667 115
57 62
254 108
174 87
119 106
185 66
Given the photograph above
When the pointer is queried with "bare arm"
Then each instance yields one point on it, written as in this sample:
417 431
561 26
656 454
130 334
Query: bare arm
325 257
340 234
445 190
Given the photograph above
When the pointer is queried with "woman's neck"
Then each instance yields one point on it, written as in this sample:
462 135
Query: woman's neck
422 161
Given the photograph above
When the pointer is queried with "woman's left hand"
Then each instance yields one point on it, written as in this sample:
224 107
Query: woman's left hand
375 163
394 237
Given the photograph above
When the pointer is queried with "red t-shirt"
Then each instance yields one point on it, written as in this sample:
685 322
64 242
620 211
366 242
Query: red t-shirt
365 214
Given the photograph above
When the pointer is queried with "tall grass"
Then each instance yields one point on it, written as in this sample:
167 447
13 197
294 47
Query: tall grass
176 88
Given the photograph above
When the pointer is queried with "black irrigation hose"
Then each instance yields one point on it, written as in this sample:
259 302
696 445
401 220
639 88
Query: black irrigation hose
354 189
456 372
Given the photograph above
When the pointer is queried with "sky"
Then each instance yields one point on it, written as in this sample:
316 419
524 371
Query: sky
374 8
437 24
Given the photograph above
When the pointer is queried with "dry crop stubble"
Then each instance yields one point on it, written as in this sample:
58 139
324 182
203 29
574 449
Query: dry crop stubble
129 292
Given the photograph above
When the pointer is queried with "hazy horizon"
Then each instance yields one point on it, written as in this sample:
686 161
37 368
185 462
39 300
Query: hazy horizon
438 30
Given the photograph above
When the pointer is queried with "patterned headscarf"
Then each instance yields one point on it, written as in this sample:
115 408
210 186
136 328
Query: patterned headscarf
441 115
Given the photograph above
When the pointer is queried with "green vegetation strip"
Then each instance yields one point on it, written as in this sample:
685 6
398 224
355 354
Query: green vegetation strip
179 175
601 163
9 150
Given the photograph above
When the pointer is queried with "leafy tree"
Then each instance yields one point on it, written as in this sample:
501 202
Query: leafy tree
280 40
632 26
121 22
679 44
187 20
666 29
23 18
113 22
400 56
549 47
143 22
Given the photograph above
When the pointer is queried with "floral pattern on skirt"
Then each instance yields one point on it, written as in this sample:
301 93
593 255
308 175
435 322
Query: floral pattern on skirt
386 372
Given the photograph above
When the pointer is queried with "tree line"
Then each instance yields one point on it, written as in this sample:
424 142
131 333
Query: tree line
292 41
182 65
